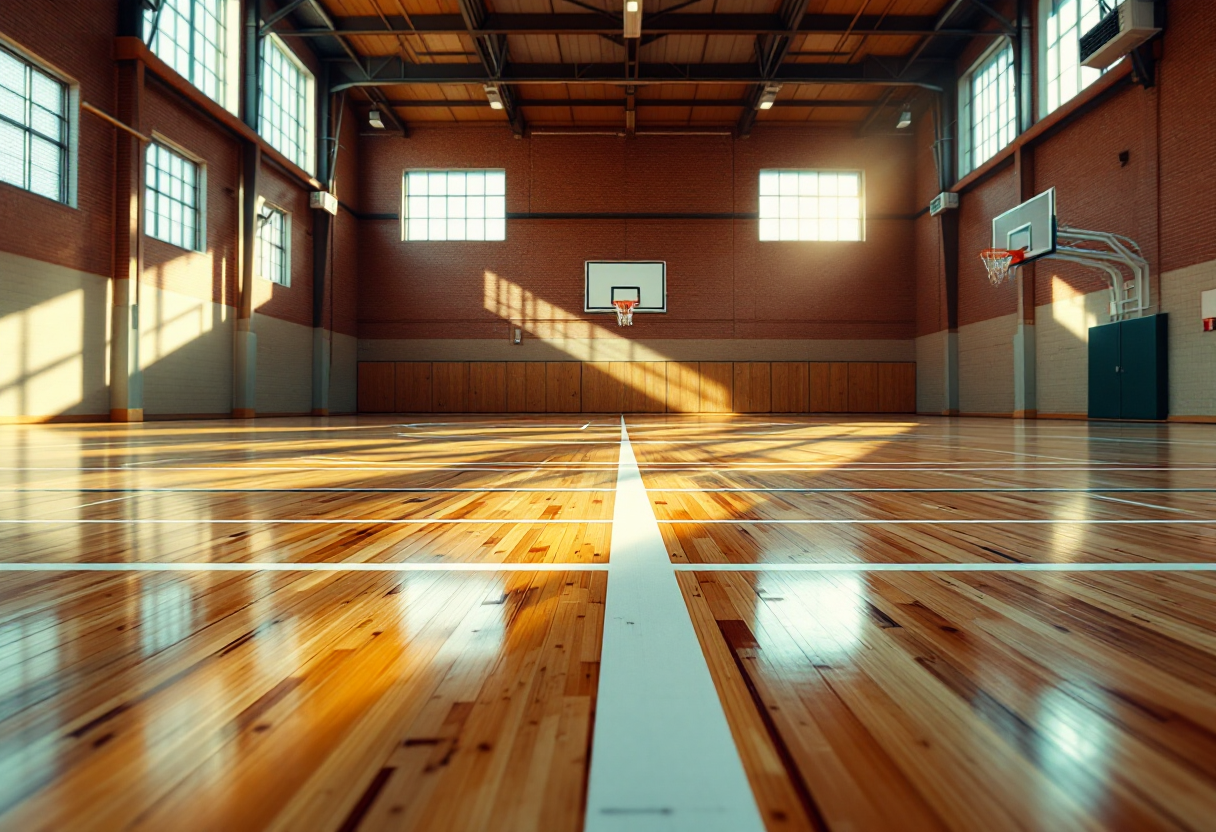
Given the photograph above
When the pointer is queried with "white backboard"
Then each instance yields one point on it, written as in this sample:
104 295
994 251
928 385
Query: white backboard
1031 225
642 280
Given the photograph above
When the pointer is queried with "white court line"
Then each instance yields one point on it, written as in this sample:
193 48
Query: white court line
1137 503
302 521
588 467
662 756
256 566
944 522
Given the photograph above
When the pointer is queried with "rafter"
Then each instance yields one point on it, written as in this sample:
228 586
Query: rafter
492 50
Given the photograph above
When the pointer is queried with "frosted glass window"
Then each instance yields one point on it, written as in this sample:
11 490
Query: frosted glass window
1065 21
810 205
989 111
455 205
172 201
273 246
189 37
286 118
33 128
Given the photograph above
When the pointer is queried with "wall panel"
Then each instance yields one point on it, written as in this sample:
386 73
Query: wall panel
717 387
863 387
603 387
487 387
646 387
790 387
683 387
517 387
897 388
563 386
413 387
450 386
377 387
753 387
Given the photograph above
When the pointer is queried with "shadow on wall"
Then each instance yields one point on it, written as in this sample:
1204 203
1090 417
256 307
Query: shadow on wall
628 363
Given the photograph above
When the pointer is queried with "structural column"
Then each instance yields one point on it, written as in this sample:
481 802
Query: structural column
322 223
1025 394
126 379
245 350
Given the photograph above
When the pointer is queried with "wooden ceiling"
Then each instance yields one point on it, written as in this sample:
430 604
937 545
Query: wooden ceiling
698 64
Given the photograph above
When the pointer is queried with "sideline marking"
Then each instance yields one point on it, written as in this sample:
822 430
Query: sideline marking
947 522
309 566
662 756
319 521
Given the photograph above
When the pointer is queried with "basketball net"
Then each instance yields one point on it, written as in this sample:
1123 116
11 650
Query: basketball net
624 312
999 261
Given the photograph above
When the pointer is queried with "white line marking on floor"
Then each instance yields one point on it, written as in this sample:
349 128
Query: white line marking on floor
584 427
321 521
256 566
1137 503
662 757
944 522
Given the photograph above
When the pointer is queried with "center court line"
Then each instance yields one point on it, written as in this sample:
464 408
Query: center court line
662 755
337 521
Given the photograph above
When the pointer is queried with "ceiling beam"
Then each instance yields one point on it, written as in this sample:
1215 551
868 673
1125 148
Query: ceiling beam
393 71
492 50
670 24
771 50
619 103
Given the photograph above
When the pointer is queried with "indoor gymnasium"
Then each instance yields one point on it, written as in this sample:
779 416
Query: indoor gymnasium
607 415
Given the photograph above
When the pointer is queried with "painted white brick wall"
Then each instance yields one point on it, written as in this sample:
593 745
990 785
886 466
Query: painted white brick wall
284 374
1062 341
185 350
985 366
54 340
1192 351
343 374
931 373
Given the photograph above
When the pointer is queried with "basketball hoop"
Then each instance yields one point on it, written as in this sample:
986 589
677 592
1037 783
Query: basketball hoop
999 261
624 312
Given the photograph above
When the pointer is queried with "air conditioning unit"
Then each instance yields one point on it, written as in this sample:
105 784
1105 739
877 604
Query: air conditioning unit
943 202
1130 24
323 200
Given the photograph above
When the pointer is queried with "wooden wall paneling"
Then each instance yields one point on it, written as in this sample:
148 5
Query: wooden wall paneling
790 387
537 387
753 387
563 386
683 387
487 387
645 387
376 387
897 387
517 386
603 387
717 387
820 398
413 387
450 386
863 387
838 388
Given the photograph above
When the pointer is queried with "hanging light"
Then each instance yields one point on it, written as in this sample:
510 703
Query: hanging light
768 96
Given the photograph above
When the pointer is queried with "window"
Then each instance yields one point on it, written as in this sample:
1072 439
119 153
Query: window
287 104
988 109
810 205
190 36
172 195
455 205
1064 23
34 128
273 245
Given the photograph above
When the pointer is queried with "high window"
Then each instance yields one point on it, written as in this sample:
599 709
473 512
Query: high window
1064 22
286 119
191 36
988 108
454 205
34 128
273 236
810 205
173 198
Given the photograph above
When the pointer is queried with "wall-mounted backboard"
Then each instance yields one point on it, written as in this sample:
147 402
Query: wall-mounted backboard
1031 225
642 280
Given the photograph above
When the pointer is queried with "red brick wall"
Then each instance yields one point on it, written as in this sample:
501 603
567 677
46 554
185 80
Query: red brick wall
79 45
290 303
722 282
341 313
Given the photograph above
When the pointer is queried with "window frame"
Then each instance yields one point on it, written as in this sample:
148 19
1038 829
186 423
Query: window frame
228 61
309 105
70 145
1043 47
200 189
266 205
967 161
861 204
405 197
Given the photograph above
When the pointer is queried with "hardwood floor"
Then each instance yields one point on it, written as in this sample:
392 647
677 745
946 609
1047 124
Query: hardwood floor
397 623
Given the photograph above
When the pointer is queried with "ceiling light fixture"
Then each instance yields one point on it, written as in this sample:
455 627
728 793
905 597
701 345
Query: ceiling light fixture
375 120
633 18
905 118
768 96
493 96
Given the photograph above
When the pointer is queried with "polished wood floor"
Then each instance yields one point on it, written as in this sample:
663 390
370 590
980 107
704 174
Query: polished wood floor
381 624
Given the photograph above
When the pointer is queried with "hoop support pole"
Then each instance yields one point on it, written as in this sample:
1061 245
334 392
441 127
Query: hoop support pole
1123 252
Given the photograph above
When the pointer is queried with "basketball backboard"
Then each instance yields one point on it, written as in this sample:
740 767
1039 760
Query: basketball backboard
608 281
1030 226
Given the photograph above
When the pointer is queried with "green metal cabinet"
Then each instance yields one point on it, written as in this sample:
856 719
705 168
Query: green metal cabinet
1129 369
